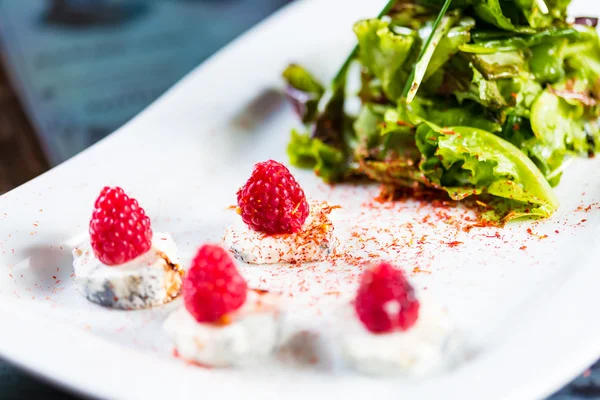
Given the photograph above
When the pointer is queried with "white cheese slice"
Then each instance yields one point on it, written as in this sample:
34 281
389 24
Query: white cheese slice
426 347
251 334
314 242
151 279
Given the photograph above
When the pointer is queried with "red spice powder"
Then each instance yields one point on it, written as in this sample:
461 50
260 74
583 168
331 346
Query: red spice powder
417 270
190 362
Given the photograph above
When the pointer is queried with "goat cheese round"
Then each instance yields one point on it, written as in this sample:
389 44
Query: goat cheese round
313 243
151 279
248 336
420 350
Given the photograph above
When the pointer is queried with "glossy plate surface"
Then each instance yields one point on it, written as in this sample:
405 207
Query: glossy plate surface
524 297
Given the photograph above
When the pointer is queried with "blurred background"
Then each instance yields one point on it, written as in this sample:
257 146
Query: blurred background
73 71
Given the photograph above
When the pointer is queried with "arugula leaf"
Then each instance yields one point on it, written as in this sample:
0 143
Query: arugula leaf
384 52
469 161
303 91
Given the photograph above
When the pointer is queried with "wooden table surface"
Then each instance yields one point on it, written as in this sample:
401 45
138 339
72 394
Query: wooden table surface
21 157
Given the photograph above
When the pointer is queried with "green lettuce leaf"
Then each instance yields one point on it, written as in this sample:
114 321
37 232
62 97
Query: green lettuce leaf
549 160
485 92
422 66
547 61
384 52
523 91
440 3
543 13
564 124
584 56
494 46
468 114
488 42
325 160
491 12
449 45
387 152
368 125
468 161
500 65
465 82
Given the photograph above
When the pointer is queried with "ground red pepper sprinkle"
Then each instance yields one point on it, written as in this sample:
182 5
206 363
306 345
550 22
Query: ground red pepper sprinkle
417 270
189 362
406 240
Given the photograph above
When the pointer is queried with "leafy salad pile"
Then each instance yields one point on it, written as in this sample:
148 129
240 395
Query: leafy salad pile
485 98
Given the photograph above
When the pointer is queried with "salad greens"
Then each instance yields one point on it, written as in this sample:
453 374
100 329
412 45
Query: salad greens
482 98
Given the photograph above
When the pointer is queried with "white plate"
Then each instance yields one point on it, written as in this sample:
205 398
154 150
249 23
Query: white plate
528 315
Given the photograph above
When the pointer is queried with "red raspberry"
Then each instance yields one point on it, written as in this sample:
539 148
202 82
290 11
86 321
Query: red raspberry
386 300
213 287
272 201
119 228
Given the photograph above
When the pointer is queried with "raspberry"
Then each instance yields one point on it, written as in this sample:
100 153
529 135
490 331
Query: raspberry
272 201
386 300
213 287
119 229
